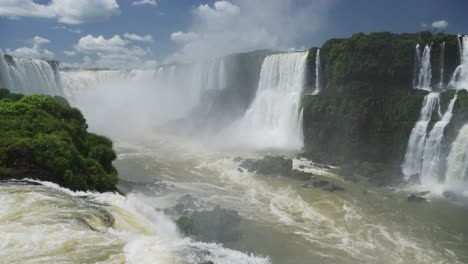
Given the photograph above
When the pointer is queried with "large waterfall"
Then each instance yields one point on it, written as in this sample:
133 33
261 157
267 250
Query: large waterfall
30 76
273 120
430 170
460 76
417 140
442 65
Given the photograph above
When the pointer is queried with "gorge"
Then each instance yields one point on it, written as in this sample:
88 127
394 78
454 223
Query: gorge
361 123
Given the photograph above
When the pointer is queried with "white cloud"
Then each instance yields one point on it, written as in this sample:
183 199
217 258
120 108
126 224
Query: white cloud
440 24
135 37
245 25
181 37
114 52
34 52
145 2
65 11
69 53
71 30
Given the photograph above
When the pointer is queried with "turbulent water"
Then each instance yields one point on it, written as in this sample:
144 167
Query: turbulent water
425 72
281 221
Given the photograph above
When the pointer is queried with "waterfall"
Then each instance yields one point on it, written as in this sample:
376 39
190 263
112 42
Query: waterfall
425 71
456 177
29 76
414 153
318 69
273 120
442 65
430 170
459 79
417 65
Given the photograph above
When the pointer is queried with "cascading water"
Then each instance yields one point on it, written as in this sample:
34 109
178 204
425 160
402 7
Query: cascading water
459 80
273 121
416 143
425 71
29 76
456 177
442 65
417 66
430 169
318 70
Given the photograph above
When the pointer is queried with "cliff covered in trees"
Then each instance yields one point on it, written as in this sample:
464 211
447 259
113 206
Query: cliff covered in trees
363 116
42 137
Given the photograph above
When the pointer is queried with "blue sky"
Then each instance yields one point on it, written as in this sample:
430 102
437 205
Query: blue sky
138 33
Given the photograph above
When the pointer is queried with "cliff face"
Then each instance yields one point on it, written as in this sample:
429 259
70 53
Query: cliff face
367 106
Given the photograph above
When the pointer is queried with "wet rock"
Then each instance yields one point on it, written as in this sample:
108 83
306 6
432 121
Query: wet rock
416 199
324 185
414 179
217 225
300 175
269 165
334 188
450 195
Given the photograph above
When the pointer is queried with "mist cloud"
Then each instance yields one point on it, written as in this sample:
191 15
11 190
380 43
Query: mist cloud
244 25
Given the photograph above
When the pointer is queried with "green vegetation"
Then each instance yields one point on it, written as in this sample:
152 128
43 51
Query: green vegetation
42 137
367 108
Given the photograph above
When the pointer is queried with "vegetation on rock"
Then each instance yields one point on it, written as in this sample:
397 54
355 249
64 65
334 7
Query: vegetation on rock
42 137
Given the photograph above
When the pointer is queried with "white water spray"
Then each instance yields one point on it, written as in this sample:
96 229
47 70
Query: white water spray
425 71
273 121
442 65
29 76
318 70
456 177
415 149
459 80
430 170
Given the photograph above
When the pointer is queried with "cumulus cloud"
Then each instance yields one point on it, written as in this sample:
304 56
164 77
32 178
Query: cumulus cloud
114 52
243 25
135 37
34 52
440 24
181 37
145 2
65 11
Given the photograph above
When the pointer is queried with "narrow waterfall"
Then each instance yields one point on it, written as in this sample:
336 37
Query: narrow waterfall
273 120
414 153
417 65
29 76
425 71
430 170
318 70
442 65
456 177
459 80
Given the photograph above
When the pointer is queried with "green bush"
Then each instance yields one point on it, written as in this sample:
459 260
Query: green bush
43 137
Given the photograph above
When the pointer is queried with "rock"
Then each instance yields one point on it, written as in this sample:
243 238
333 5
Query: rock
450 195
269 165
334 188
300 175
416 199
414 179
217 225
324 185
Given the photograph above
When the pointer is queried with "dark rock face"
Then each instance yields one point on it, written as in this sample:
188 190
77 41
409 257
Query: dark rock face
217 225
269 165
324 185
416 199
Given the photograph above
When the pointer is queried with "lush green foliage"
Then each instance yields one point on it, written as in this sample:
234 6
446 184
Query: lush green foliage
367 107
43 137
